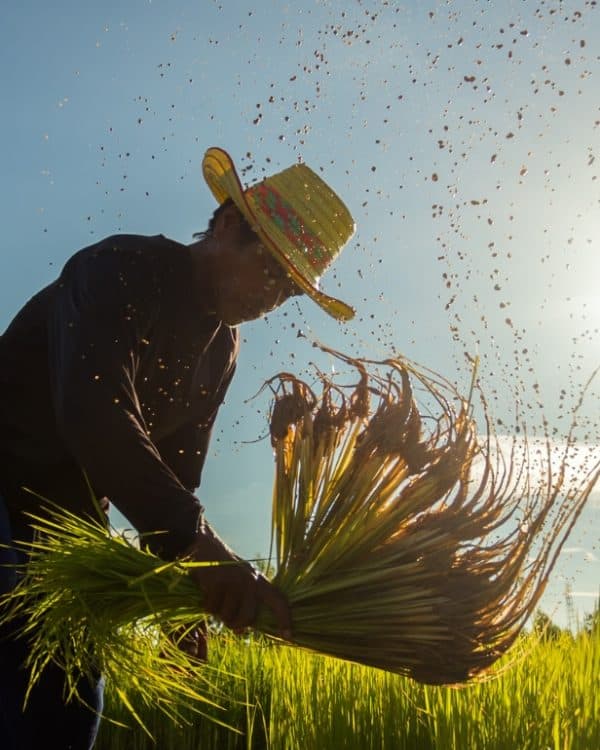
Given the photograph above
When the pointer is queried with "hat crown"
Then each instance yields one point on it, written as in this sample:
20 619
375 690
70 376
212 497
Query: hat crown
307 219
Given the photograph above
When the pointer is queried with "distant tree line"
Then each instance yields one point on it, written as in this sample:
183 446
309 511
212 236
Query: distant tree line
545 628
591 622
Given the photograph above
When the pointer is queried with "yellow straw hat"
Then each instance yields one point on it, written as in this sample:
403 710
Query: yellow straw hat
297 216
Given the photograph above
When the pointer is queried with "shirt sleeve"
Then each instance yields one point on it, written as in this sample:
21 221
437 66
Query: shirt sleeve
185 450
104 306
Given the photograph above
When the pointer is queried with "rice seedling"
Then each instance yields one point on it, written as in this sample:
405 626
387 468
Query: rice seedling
404 539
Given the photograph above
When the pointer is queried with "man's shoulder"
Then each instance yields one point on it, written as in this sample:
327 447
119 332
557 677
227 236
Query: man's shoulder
134 243
121 251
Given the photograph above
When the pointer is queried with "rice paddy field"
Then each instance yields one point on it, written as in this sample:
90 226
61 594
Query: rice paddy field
544 696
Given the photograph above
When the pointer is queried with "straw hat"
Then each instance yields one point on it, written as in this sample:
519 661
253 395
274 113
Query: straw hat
297 217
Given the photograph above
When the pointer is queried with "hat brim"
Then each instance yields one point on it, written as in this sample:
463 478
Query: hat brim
222 179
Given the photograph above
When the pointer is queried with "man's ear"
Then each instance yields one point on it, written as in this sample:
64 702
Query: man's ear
228 220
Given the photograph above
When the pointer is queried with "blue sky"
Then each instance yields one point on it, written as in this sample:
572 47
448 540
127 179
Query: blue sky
464 138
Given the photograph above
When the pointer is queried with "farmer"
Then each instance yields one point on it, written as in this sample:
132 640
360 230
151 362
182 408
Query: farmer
110 381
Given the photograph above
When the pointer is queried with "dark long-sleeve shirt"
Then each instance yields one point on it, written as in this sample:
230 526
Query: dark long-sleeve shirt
118 369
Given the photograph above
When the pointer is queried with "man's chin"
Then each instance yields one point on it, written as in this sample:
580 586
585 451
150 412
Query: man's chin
239 317
245 314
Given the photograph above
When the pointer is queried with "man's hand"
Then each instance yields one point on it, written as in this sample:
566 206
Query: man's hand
193 642
234 590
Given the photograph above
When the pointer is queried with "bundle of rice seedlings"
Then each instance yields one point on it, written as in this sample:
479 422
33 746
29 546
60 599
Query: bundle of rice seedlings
92 602
403 539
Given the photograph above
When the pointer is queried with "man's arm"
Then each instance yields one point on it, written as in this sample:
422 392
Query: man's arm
185 450
104 307
185 453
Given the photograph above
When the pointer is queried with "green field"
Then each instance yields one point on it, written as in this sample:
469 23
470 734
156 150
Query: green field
547 696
